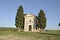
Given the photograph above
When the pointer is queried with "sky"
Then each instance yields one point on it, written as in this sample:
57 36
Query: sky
8 10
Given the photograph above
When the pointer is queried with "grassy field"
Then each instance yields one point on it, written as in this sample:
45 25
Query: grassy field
12 34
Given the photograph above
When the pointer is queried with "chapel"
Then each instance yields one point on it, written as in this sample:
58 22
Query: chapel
30 23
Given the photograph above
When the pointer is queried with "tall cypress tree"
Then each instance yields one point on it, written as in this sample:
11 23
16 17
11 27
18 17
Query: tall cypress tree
19 20
41 19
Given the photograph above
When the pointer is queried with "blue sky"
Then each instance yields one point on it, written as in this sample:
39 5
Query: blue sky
8 10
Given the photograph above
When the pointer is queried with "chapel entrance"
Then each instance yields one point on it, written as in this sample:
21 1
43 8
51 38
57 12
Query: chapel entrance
30 27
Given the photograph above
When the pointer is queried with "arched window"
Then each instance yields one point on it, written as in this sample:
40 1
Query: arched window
29 20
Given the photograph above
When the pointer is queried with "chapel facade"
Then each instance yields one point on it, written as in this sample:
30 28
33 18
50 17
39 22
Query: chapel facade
30 23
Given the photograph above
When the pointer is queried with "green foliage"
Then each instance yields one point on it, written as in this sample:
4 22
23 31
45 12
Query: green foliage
19 20
41 19
59 24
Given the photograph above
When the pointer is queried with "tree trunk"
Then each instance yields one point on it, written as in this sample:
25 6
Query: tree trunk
42 30
19 29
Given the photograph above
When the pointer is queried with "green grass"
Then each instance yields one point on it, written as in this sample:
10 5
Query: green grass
8 29
47 35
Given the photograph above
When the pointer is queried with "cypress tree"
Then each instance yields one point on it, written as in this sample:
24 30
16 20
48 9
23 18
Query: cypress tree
19 20
41 19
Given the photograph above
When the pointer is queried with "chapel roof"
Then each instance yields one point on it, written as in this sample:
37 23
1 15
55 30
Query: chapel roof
30 15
